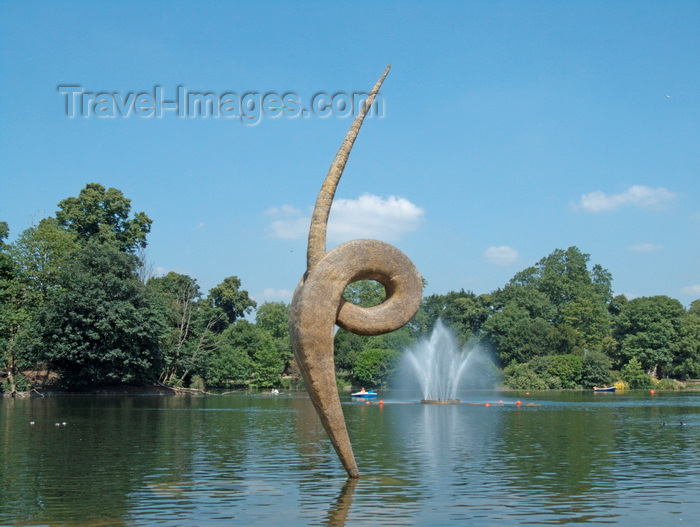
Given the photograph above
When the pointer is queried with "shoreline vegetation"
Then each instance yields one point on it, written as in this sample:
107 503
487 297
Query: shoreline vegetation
53 389
79 297
168 391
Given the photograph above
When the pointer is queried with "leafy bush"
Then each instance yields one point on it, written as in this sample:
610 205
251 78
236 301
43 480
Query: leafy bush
568 368
595 369
668 385
634 375
229 367
524 377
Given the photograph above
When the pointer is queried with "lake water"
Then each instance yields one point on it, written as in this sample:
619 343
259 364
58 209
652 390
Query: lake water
576 457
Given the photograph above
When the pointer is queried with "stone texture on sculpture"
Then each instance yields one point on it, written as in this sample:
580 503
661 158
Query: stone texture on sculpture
318 302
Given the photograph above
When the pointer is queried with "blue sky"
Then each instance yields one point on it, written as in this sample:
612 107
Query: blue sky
508 130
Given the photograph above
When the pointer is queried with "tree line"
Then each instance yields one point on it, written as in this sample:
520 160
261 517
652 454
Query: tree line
78 301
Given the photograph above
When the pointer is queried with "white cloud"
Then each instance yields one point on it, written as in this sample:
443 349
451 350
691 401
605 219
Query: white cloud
636 196
369 216
645 247
291 225
691 290
274 295
501 255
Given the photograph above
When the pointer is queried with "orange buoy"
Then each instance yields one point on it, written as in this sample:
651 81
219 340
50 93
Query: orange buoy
651 392
487 404
518 403
381 402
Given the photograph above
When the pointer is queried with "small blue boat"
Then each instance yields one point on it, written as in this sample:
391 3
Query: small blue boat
365 395
605 389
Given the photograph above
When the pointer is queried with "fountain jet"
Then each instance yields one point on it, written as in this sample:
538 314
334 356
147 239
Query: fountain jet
439 365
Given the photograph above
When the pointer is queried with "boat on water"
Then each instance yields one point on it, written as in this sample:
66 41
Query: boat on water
365 394
604 389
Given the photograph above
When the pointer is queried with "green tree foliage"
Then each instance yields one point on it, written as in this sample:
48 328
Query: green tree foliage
40 253
568 368
229 297
101 325
273 317
36 256
649 330
268 362
190 324
564 277
545 372
634 375
555 307
686 363
462 311
7 302
247 356
102 215
595 369
523 377
365 293
516 334
376 367
347 348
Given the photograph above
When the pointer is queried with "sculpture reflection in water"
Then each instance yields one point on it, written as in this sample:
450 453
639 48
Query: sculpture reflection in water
318 302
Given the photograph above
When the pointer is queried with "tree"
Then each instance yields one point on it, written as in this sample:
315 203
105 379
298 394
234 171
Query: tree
8 293
101 325
37 257
231 299
102 215
564 277
246 356
365 293
40 254
376 367
579 297
187 341
347 347
634 375
686 363
462 311
595 369
273 318
268 363
516 336
648 329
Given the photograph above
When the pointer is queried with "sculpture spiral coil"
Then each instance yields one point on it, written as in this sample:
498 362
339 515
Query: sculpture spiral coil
318 302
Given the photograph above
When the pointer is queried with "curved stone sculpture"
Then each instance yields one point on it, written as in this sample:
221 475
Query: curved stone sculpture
318 302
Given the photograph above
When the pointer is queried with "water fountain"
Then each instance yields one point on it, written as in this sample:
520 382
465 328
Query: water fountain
439 365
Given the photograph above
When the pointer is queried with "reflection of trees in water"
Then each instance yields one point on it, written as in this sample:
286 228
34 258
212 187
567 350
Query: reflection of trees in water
78 473
562 450
589 459
559 459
